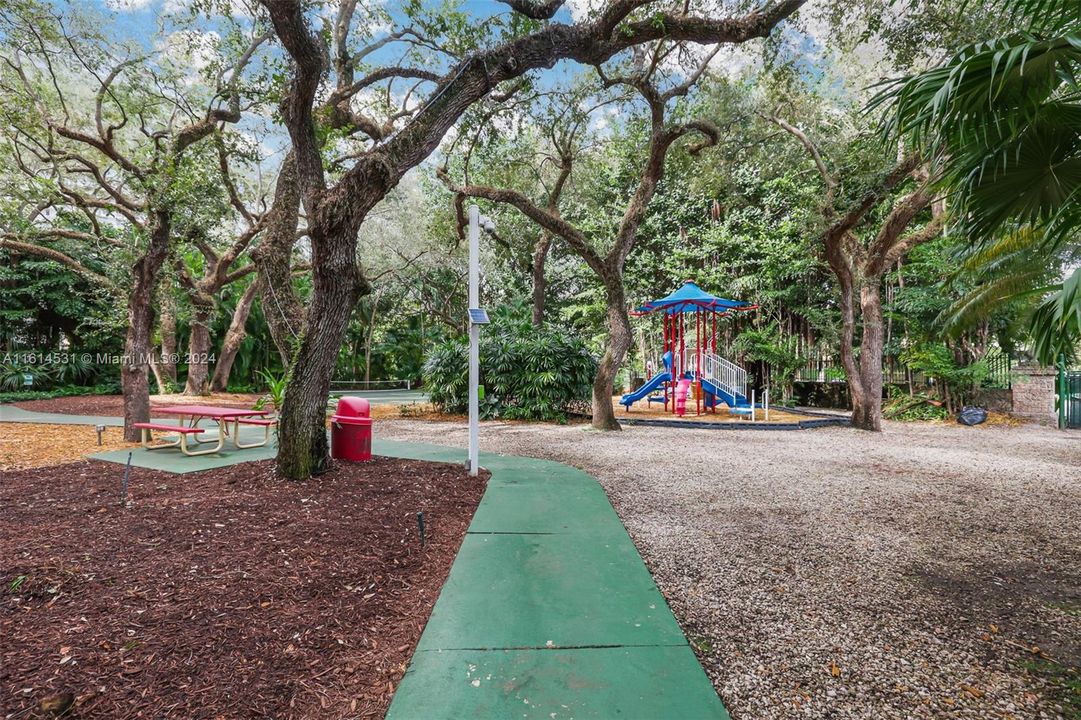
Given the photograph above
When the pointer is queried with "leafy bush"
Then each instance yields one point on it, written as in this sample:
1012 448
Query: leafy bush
954 381
275 390
527 374
65 391
45 375
770 345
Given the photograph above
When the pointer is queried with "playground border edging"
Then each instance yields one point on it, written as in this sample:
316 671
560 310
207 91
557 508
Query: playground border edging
696 425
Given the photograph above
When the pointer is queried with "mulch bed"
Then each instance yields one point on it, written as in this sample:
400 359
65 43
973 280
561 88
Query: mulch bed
28 445
113 405
223 594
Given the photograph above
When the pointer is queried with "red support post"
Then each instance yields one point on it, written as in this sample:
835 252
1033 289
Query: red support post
698 362
675 357
665 349
714 341
682 344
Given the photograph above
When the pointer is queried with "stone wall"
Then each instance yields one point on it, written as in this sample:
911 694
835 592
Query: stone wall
1034 393
994 399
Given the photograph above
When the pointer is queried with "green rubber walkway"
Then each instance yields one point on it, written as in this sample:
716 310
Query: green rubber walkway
174 461
549 612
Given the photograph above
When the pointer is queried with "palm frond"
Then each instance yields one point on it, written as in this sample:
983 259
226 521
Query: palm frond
1056 324
1002 251
1045 16
978 304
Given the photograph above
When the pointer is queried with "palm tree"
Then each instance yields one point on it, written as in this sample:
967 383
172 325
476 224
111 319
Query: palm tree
1005 116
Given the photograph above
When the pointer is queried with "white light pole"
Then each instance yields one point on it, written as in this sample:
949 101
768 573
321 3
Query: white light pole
474 340
477 317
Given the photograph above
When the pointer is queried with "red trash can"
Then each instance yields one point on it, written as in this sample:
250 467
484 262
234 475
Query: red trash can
351 430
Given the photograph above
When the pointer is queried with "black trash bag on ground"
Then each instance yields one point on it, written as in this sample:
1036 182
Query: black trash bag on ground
970 415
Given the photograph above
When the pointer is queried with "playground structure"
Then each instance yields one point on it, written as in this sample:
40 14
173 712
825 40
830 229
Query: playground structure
691 362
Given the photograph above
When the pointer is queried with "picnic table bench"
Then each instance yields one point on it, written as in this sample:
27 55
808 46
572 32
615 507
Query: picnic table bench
195 413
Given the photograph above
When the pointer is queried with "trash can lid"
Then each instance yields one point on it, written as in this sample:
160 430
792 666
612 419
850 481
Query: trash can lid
349 406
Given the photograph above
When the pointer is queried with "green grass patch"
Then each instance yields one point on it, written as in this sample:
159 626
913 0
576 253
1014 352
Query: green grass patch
1066 682
701 644
1066 607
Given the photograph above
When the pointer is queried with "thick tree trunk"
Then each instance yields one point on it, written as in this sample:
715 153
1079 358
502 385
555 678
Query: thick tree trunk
273 258
167 328
336 287
869 414
234 336
540 282
615 351
134 375
848 355
864 376
134 379
199 348
865 409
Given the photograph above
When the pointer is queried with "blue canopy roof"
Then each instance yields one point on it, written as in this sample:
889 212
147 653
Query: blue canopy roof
691 298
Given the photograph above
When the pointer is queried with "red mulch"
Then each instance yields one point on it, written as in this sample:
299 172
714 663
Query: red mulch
223 594
113 405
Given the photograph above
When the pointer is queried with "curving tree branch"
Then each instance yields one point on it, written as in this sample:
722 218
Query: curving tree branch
8 241
535 9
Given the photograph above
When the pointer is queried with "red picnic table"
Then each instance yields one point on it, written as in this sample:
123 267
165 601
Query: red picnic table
195 413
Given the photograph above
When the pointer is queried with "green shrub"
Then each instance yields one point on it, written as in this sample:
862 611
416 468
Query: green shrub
779 350
48 374
527 374
65 391
275 394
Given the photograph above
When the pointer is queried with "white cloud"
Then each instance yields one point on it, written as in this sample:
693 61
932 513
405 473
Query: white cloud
191 46
582 9
237 8
128 5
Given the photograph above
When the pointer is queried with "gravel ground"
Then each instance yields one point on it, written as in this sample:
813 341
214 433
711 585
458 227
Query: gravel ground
931 571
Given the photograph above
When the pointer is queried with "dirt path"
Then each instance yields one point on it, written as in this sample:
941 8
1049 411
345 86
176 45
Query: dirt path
930 571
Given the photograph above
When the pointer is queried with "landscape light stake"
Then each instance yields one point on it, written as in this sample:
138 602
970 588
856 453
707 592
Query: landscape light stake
477 317
124 485
1060 394
420 527
100 429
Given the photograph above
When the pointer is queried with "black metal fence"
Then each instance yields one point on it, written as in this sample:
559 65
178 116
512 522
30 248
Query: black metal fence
1069 397
824 368
821 369
999 371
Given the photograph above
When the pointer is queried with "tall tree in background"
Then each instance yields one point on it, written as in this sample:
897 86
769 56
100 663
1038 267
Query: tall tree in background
605 255
336 210
1006 117
530 143
217 261
115 161
860 248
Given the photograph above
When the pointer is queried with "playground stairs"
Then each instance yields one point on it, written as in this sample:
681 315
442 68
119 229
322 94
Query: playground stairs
722 379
